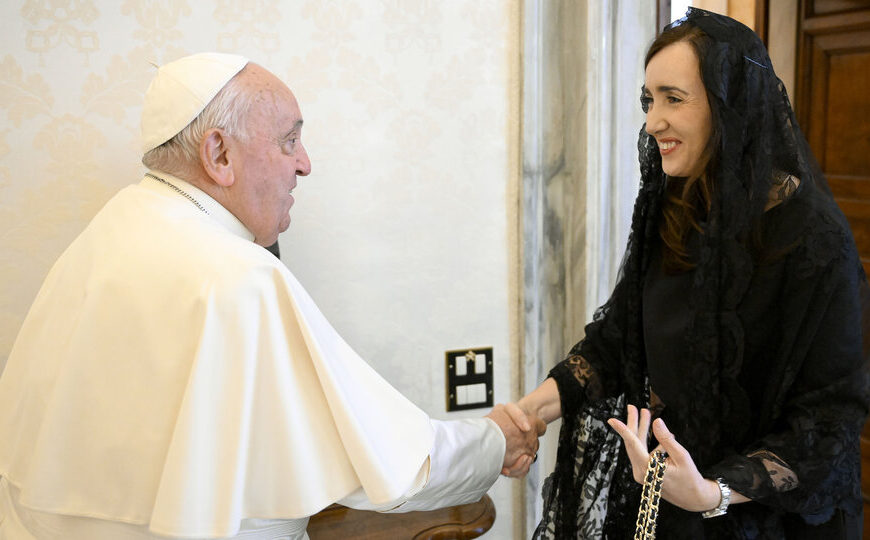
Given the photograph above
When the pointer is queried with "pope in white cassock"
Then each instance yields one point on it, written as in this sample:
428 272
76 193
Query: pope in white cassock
173 379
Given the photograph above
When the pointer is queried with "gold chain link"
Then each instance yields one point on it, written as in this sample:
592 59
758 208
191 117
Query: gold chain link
650 497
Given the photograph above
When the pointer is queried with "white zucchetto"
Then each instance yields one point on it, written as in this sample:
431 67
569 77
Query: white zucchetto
181 90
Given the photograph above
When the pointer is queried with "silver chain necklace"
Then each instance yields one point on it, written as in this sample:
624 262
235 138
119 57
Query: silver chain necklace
179 190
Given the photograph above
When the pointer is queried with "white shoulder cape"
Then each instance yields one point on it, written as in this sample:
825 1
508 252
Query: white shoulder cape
175 374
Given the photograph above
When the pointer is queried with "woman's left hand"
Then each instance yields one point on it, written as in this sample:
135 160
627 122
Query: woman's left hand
683 485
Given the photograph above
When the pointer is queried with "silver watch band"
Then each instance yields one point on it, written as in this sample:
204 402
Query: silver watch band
724 499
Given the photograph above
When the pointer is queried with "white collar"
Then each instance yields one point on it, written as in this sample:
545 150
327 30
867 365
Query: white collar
211 206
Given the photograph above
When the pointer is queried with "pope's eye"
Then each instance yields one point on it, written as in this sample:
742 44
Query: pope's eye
288 146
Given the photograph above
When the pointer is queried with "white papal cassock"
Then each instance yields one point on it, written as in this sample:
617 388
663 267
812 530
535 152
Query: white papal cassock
173 378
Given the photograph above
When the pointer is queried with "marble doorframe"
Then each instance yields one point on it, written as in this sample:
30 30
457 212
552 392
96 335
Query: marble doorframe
582 72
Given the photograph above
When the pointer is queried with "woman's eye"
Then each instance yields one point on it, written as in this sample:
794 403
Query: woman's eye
674 99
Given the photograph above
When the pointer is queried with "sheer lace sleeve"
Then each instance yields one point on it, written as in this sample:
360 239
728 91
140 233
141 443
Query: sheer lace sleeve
578 382
807 461
575 496
783 186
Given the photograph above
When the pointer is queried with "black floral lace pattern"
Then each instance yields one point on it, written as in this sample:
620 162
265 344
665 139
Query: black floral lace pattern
790 442
594 450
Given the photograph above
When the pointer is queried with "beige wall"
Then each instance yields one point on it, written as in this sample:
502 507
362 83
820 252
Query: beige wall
405 231
742 10
782 41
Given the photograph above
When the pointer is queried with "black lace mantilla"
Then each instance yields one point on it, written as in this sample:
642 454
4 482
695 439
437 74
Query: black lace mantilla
795 451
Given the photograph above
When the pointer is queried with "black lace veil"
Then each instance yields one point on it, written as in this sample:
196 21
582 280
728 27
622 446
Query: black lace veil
761 160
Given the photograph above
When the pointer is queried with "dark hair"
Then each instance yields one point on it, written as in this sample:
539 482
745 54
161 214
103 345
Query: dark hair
687 200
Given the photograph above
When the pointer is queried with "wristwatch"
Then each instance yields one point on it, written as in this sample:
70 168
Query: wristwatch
724 499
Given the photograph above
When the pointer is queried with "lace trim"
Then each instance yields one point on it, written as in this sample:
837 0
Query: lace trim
586 376
779 472
784 186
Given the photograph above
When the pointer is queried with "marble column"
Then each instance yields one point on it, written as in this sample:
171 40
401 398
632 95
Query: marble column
583 68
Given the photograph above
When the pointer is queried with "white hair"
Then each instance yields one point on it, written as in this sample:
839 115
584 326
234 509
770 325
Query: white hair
227 111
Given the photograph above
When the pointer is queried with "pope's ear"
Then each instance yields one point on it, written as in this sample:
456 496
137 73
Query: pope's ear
215 157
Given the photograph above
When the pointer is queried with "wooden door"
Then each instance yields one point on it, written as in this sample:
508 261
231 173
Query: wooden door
833 109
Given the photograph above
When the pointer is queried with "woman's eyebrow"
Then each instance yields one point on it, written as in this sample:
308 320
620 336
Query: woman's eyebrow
666 88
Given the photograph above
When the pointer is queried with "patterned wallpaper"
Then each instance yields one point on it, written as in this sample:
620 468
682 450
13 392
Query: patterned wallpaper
405 232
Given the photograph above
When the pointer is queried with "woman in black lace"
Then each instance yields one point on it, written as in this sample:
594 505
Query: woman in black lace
737 320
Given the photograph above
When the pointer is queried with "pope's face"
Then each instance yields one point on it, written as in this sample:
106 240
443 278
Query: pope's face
678 113
267 163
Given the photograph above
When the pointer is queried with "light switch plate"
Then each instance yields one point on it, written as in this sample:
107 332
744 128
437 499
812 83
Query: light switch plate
469 378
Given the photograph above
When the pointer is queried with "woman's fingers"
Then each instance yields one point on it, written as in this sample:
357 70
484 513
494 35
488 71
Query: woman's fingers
669 443
634 435
683 484
631 418
635 430
643 425
518 415
638 421
633 445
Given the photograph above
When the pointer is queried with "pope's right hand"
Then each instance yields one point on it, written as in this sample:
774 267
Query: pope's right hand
521 431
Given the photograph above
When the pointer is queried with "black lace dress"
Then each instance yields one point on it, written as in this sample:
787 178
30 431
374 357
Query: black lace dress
758 355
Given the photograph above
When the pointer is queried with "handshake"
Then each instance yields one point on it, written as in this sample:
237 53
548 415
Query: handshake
521 431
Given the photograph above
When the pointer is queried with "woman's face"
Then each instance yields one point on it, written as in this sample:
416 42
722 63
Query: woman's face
678 113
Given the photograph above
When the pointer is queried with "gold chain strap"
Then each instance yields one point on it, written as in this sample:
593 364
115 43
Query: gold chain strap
649 500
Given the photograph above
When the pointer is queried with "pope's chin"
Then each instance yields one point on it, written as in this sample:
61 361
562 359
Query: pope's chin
284 224
268 240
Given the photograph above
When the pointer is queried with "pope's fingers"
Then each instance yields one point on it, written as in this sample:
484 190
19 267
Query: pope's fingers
508 470
519 468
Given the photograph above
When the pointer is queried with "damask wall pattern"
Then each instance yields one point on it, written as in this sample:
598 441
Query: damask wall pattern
405 232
